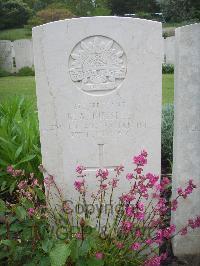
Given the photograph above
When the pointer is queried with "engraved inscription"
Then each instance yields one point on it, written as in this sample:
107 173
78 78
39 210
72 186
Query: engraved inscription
97 120
97 65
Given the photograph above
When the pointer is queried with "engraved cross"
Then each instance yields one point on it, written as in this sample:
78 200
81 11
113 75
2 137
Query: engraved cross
101 161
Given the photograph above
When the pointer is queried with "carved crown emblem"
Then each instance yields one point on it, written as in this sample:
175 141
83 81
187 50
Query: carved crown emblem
97 64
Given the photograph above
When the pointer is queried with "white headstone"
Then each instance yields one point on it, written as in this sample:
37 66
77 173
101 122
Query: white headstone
6 55
187 133
23 53
169 50
99 95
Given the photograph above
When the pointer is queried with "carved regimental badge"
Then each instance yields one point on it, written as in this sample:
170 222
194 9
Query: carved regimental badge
97 65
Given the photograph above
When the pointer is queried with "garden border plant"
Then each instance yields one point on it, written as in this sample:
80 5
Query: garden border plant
39 232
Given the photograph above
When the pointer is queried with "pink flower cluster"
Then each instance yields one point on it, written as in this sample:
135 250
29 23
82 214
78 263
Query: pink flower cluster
156 260
80 169
31 211
99 255
119 169
103 174
141 159
187 191
48 181
79 185
13 172
194 223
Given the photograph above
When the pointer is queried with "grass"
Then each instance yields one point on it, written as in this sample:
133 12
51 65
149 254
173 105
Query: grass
25 86
168 88
14 86
15 34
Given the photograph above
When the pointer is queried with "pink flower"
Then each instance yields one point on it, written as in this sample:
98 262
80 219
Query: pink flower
127 226
155 261
144 153
126 198
165 182
103 186
99 255
135 246
138 233
149 241
140 160
80 169
48 181
34 183
180 191
159 236
119 245
79 236
102 173
79 185
31 211
167 232
152 179
192 184
194 223
174 205
139 216
129 176
129 211
119 169
113 182
138 170
22 184
140 206
183 231
10 169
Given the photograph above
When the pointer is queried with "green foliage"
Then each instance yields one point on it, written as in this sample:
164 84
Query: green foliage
19 141
49 231
4 73
13 13
167 136
59 254
25 71
121 7
80 7
180 10
51 13
168 69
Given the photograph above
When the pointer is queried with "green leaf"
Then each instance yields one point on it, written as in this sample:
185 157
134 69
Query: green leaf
3 185
39 193
2 206
95 262
16 227
47 245
12 187
74 246
26 159
44 261
9 243
81 262
20 213
18 151
59 254
84 248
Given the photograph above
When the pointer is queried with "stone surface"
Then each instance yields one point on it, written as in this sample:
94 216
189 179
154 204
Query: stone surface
169 50
6 55
98 94
23 53
187 133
